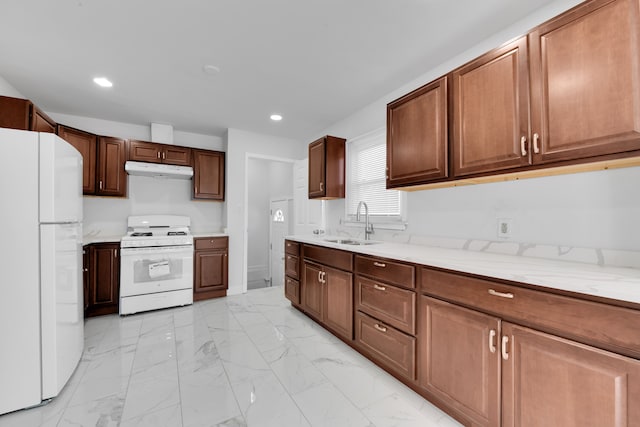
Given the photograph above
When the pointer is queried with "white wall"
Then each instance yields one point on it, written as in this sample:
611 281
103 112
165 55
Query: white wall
241 145
108 215
593 210
7 90
266 180
257 219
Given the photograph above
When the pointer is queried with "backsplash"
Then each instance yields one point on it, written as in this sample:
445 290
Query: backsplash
596 256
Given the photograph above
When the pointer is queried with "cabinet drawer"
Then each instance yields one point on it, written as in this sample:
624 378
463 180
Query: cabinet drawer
211 243
388 303
394 349
292 266
331 257
602 325
292 248
292 290
388 271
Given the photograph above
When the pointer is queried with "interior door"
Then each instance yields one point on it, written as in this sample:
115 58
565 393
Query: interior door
279 228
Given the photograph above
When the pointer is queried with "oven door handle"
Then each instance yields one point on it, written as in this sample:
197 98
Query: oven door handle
157 250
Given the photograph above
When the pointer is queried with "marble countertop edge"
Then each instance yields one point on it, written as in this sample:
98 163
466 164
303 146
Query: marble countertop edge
612 283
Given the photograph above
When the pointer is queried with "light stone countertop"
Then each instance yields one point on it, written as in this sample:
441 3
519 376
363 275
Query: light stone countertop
208 234
87 239
614 283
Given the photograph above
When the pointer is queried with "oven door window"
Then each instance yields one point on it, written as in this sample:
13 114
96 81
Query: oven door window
156 269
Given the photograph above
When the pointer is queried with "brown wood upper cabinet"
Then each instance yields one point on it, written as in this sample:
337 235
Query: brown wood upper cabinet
584 79
208 174
491 111
16 113
86 143
417 136
584 99
327 168
112 178
143 151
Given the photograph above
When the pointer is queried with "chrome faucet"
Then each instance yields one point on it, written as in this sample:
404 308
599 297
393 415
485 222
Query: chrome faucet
368 227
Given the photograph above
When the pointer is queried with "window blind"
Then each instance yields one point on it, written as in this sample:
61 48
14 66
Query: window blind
366 179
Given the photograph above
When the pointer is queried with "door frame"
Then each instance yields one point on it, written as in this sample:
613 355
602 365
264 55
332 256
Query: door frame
289 200
245 234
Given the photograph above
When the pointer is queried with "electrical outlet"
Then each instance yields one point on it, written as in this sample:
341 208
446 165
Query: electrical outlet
505 228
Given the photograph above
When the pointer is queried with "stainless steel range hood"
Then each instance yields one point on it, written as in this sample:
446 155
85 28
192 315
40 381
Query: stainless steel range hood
158 170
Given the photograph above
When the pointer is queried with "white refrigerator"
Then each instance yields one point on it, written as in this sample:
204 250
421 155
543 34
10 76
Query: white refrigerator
41 292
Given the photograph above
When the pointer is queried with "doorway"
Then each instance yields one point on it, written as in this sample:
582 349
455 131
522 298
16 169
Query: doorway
268 180
280 227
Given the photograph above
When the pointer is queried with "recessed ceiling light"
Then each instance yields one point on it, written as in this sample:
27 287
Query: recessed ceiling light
211 69
276 117
102 81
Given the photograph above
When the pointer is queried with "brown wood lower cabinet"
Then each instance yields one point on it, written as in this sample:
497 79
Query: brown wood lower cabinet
550 381
327 295
211 265
392 348
459 359
488 352
103 272
491 370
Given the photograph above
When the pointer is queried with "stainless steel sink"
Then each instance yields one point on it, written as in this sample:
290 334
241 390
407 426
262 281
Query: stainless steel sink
351 241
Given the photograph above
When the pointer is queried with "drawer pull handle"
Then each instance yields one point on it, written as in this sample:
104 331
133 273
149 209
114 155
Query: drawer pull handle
505 341
379 264
379 288
536 148
319 276
523 146
492 336
500 294
380 328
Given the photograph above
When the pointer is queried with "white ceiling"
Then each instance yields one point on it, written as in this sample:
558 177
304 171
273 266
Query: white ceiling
313 61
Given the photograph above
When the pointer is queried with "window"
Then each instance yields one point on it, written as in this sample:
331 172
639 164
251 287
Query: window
366 181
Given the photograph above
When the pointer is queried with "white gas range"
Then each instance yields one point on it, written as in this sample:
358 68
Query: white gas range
156 263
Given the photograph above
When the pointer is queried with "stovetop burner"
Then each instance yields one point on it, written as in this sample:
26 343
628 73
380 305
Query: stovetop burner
177 233
142 234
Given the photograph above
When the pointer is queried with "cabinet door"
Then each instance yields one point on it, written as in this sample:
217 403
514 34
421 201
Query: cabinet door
338 307
175 155
40 122
585 85
491 111
312 291
459 359
210 271
208 175
142 151
112 178
317 169
104 279
86 144
550 381
417 136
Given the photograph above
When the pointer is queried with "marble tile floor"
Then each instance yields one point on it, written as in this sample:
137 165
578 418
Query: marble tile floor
245 360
